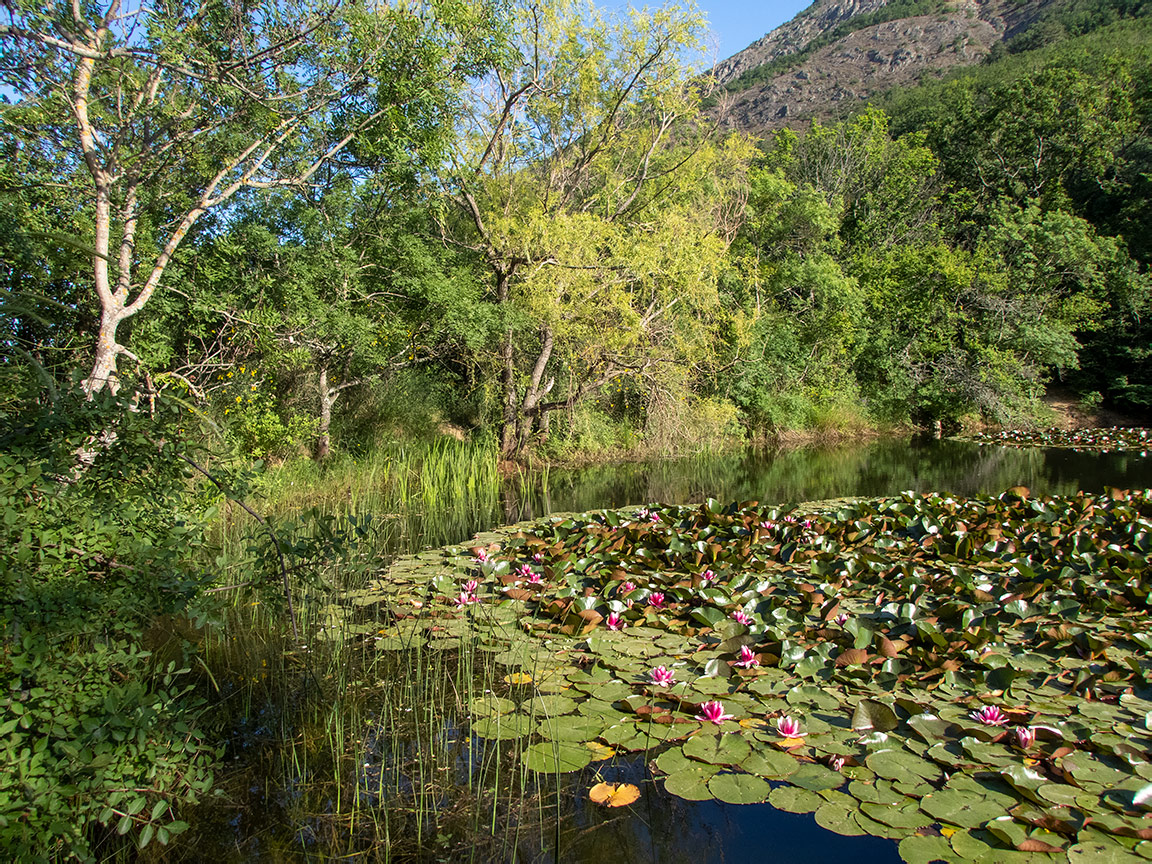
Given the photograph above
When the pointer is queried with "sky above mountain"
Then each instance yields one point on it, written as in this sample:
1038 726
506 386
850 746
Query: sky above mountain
738 23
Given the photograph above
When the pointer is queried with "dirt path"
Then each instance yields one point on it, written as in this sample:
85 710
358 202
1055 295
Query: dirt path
1070 414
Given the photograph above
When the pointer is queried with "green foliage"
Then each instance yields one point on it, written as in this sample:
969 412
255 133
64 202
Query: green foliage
96 739
1072 18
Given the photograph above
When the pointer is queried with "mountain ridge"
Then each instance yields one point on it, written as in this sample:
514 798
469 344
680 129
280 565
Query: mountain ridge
836 55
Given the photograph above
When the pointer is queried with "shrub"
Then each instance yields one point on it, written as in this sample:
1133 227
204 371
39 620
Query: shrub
97 741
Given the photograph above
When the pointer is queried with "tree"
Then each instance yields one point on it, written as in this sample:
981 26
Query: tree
589 188
312 296
160 114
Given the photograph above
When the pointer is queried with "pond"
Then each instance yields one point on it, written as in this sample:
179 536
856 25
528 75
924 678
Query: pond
553 821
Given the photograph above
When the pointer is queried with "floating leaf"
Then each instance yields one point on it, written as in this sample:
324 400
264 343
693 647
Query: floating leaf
613 794
691 784
723 749
873 715
960 808
927 850
739 788
840 819
556 757
794 800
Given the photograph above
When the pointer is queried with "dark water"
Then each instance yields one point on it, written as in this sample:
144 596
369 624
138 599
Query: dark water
868 468
661 827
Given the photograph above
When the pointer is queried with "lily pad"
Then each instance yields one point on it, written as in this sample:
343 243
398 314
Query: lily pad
691 784
720 749
960 808
733 788
794 800
556 757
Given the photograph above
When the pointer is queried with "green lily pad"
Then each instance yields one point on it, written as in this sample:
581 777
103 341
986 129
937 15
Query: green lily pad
503 726
723 749
692 784
839 819
549 705
794 800
1100 851
871 715
770 763
960 808
901 765
816 777
927 850
556 757
907 816
733 788
490 705
568 728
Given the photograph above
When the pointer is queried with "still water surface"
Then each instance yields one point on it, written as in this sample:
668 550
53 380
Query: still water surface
861 468
706 832
660 828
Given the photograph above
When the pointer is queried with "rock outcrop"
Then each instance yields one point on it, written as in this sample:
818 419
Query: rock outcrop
835 79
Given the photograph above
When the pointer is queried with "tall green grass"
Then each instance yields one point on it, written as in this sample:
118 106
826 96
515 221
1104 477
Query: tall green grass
335 748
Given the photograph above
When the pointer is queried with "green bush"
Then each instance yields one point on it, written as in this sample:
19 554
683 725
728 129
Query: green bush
99 744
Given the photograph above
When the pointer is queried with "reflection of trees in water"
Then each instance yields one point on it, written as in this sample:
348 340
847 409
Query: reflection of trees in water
802 474
859 468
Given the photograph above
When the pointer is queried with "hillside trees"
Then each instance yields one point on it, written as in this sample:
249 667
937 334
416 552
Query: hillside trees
155 116
1047 155
587 187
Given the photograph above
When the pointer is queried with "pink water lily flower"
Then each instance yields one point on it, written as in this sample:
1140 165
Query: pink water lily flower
713 712
740 617
788 726
663 676
707 576
534 578
1025 737
627 587
481 556
524 570
614 622
653 517
656 600
836 763
842 618
466 599
470 586
538 557
989 715
748 658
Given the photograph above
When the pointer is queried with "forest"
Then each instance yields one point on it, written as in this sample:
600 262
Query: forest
527 227
239 236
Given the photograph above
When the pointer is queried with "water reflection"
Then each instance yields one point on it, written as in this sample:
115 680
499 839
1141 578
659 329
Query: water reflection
560 825
872 468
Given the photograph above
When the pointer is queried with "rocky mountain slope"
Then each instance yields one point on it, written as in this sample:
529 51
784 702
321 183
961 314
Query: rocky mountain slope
831 58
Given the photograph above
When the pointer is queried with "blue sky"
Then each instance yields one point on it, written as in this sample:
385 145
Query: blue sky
739 23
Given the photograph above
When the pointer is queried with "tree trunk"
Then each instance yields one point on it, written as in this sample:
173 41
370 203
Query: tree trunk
104 366
327 398
508 446
527 414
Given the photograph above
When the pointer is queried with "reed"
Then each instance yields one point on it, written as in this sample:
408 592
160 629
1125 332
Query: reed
364 751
